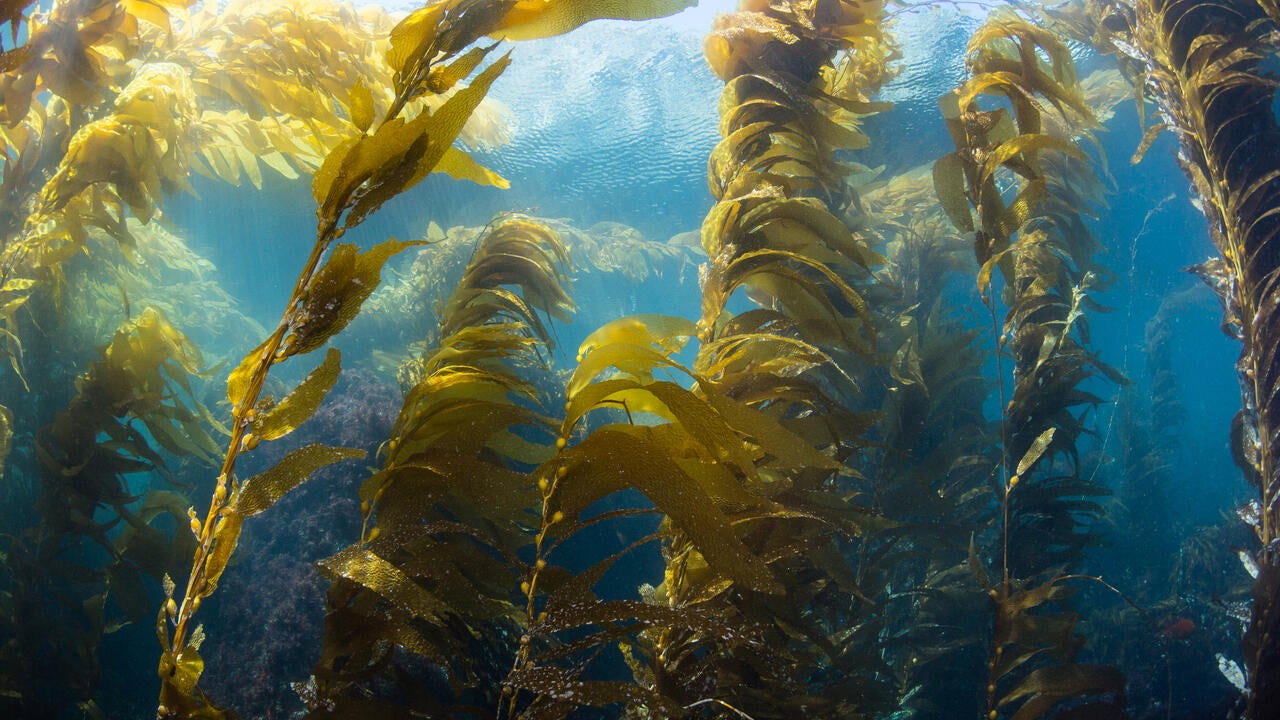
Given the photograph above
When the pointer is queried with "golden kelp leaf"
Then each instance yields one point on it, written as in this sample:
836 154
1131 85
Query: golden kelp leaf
668 332
700 419
616 458
361 565
738 41
1037 449
302 403
329 170
361 106
787 448
263 490
948 184
335 294
238 380
400 154
1023 206
637 361
745 354
186 670
443 78
226 535
148 11
461 166
1027 144
411 37
532 19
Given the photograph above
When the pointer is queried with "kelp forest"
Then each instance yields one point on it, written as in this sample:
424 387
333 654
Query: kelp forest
909 360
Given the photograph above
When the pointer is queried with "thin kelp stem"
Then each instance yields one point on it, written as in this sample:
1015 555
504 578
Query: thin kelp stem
990 301
1020 167
243 415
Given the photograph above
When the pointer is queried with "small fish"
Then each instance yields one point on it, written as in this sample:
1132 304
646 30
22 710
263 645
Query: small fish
1179 628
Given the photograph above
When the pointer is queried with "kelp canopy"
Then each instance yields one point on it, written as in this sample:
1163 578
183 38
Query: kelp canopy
889 456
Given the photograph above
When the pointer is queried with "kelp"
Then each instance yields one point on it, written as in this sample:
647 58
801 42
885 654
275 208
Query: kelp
133 407
409 303
1203 66
447 513
371 165
1033 237
780 372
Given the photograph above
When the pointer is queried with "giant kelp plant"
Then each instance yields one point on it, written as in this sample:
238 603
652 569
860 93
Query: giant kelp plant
827 491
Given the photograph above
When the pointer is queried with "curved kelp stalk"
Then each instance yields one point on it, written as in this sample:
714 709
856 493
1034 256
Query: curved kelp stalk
431 50
1203 65
1032 235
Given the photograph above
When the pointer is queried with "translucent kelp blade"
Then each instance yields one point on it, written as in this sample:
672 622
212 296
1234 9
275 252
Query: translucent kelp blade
302 402
361 565
263 490
533 19
334 296
596 471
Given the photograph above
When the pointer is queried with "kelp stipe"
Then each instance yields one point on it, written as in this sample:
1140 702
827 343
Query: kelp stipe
358 176
1036 241
1202 64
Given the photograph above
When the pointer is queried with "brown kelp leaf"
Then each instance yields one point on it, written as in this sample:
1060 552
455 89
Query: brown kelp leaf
302 403
1027 145
1148 139
361 565
560 692
976 568
948 184
615 458
6 436
263 490
1037 449
127 590
533 19
334 296
1058 682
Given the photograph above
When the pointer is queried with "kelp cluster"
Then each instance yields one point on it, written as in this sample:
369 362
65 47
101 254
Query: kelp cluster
1030 233
77 576
1202 64
824 517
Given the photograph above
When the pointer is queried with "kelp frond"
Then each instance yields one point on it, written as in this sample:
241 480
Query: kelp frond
1203 65
1021 168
